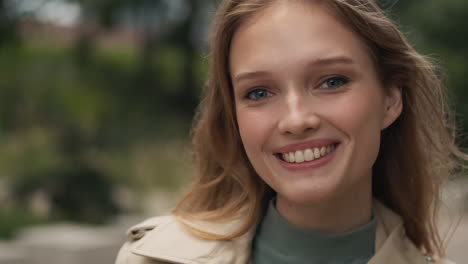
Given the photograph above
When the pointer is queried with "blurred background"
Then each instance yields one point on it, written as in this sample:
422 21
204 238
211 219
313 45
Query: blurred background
96 102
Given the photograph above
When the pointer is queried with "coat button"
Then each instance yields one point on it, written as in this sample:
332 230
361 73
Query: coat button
429 259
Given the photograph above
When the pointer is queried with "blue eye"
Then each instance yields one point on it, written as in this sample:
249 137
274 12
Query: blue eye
258 94
334 83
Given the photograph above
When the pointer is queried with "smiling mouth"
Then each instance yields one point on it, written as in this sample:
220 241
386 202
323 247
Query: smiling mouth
309 154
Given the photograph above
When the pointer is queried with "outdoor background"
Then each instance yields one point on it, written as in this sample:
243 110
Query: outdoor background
96 102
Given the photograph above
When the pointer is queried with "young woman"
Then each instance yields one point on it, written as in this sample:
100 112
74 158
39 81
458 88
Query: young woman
323 137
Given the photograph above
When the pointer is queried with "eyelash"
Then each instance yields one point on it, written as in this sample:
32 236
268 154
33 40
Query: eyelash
252 92
341 79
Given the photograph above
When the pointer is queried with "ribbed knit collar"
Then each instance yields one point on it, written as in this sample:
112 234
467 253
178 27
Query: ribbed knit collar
277 236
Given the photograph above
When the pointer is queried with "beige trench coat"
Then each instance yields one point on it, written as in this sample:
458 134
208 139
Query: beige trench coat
162 240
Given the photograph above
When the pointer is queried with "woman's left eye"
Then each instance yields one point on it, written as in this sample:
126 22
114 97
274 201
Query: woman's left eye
258 94
334 82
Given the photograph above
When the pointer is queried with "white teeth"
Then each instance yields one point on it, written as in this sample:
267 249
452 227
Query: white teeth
307 154
323 151
316 153
299 157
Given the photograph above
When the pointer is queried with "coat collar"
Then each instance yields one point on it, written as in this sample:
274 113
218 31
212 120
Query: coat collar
165 239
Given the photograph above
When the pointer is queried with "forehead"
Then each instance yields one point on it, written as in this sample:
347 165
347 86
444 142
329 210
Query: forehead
294 32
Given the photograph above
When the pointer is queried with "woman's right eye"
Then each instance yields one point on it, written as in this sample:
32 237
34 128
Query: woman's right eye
258 94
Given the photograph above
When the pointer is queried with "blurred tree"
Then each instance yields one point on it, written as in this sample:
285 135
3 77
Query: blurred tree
76 192
8 25
437 28
183 35
445 26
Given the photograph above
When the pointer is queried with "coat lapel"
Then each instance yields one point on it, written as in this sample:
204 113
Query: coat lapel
169 241
391 244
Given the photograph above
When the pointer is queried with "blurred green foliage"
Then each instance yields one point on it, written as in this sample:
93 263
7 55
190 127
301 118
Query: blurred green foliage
12 220
438 29
80 122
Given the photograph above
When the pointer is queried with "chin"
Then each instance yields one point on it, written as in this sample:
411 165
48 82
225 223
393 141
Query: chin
308 195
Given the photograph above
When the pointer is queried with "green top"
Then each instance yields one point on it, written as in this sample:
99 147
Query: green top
277 242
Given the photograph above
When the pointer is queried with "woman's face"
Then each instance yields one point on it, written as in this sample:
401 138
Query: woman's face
309 103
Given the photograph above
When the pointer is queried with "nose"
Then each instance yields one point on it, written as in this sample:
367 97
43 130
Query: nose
298 116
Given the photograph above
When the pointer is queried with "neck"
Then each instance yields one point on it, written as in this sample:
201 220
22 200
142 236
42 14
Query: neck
338 214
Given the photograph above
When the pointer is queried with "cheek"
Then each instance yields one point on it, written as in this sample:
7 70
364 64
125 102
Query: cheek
361 120
254 128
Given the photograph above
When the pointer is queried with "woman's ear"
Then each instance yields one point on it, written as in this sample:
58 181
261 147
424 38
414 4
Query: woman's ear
393 105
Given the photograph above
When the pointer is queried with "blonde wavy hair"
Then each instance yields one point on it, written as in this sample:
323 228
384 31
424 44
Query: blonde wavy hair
417 154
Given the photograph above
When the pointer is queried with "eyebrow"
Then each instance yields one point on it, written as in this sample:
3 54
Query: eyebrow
331 60
251 75
315 62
